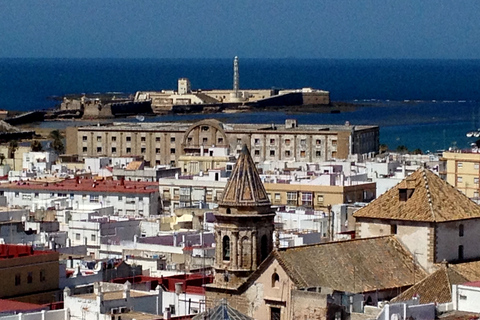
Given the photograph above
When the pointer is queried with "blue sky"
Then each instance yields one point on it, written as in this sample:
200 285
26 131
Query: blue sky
351 29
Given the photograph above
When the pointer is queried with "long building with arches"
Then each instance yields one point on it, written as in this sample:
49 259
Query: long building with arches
166 142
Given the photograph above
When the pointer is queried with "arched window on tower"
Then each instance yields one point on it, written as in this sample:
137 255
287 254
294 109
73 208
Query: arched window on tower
246 253
226 248
275 280
264 248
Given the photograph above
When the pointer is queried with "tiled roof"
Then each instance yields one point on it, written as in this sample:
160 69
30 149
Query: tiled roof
244 188
134 165
359 265
436 288
222 312
470 270
18 306
85 185
432 200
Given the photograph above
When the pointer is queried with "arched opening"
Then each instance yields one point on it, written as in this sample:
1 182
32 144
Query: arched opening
246 253
460 230
264 248
275 280
226 248
229 211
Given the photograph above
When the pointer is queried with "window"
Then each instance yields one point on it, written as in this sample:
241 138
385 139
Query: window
143 139
307 199
239 141
84 149
287 153
320 199
114 150
275 313
256 152
275 280
114 139
99 149
302 153
303 142
172 151
318 142
277 196
172 308
205 140
30 277
393 229
460 164
272 153
157 150
36 195
460 252
157 139
292 198
226 248
120 198
17 194
459 179
84 138
143 150
99 139
334 154
93 237
128 150
318 154
475 180
476 166
272 141
172 139
220 140
257 141
128 139
42 275
94 198
334 142
205 128
287 142
460 230
18 279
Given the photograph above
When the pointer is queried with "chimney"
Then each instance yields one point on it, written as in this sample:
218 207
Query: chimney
126 290
167 314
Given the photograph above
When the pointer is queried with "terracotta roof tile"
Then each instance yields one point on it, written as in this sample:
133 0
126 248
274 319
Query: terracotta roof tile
469 270
436 288
359 265
432 200
244 188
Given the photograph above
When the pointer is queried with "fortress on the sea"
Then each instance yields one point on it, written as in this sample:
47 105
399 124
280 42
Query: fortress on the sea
187 100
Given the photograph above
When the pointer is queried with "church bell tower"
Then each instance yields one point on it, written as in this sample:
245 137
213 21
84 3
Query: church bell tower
244 225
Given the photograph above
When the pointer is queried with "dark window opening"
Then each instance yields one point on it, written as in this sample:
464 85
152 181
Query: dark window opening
275 280
460 252
405 194
226 248
393 229
460 230
275 313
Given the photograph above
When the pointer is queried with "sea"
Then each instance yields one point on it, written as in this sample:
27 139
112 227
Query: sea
421 104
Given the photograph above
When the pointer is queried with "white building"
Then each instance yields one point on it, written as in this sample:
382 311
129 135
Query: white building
110 299
127 197
40 162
